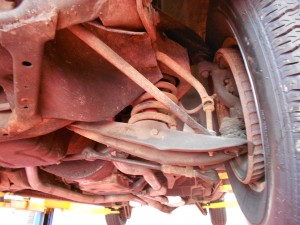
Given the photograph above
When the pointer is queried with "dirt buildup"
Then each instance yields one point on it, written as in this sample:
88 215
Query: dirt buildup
232 127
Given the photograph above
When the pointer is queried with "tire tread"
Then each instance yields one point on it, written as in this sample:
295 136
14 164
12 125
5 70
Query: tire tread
218 216
281 21
114 219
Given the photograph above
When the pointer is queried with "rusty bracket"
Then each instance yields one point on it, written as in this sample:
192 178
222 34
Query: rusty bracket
219 75
25 43
23 32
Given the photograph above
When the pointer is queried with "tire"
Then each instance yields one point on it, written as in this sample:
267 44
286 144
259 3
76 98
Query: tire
268 37
115 219
218 216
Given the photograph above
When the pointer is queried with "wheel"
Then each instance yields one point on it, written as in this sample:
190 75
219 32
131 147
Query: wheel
115 219
266 33
218 216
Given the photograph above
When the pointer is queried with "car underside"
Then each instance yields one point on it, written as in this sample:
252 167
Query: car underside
111 102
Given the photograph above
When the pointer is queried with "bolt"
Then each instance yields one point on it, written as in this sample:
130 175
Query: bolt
24 100
154 132
205 74
210 154
120 154
141 193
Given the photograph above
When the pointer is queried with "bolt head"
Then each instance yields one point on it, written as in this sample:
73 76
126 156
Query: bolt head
154 132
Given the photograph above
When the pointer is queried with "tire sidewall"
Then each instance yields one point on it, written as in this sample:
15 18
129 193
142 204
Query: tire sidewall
239 19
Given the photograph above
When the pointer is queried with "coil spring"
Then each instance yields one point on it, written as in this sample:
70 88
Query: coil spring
148 108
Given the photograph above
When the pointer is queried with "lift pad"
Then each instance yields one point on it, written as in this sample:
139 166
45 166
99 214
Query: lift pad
223 175
226 188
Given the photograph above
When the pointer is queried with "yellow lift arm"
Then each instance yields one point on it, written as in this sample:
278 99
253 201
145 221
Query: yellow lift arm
41 205
216 205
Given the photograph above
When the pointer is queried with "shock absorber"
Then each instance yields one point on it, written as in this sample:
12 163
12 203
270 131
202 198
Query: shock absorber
148 108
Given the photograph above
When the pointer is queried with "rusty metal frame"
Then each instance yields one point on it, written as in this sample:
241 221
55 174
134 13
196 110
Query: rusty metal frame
106 52
20 25
23 32
27 69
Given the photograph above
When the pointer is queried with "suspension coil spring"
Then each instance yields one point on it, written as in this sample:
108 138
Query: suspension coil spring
148 108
